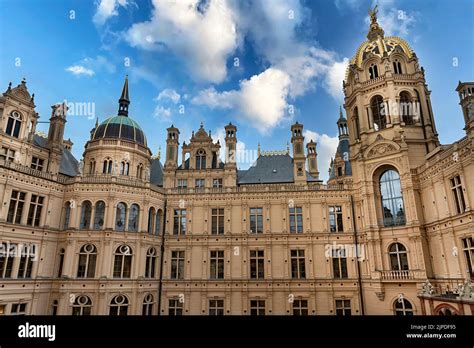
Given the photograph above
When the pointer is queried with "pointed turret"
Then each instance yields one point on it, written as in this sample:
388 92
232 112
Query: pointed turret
124 100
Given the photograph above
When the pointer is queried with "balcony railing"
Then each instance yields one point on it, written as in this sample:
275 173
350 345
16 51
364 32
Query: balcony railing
27 170
260 188
397 275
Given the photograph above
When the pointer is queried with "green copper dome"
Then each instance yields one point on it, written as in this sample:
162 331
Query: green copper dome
120 127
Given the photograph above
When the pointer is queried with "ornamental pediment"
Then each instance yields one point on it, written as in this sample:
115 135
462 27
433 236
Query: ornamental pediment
381 148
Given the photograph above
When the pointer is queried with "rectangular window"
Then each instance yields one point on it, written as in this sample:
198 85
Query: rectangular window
179 224
34 213
3 309
217 264
257 307
199 183
216 307
15 210
37 163
339 263
175 307
297 264
217 221
7 154
343 307
296 220
468 248
26 265
256 220
18 309
216 183
335 219
177 264
300 307
182 183
257 264
7 255
458 194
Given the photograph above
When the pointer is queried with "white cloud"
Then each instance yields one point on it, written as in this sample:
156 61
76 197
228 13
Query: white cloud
170 94
161 113
79 70
326 149
89 66
107 9
261 99
202 37
335 76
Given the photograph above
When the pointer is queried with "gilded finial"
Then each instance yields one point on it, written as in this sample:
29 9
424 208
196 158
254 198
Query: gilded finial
375 30
373 14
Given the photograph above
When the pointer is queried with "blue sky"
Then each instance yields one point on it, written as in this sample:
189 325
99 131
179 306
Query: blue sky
260 64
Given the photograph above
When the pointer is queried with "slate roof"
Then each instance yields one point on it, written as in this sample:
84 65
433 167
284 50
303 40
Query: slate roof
270 169
342 148
68 165
156 175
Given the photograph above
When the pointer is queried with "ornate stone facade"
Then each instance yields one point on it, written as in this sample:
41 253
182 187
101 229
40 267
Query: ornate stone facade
120 233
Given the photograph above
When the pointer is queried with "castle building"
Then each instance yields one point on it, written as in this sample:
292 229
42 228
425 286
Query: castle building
122 232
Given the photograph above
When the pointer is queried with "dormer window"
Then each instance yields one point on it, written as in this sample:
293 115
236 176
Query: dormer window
373 71
201 159
14 124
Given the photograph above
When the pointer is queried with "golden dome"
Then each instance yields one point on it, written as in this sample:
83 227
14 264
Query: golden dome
379 47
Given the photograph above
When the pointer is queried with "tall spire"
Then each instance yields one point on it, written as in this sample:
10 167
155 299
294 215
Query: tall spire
124 100
374 30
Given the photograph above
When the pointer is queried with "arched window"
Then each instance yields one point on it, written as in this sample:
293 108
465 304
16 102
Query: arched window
159 214
148 305
87 261
107 167
373 71
150 263
201 159
446 311
379 113
403 307
151 220
140 171
124 167
92 167
86 212
120 215
398 257
406 108
123 262
397 67
67 215
14 124
119 305
392 198
355 117
99 215
82 305
133 218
